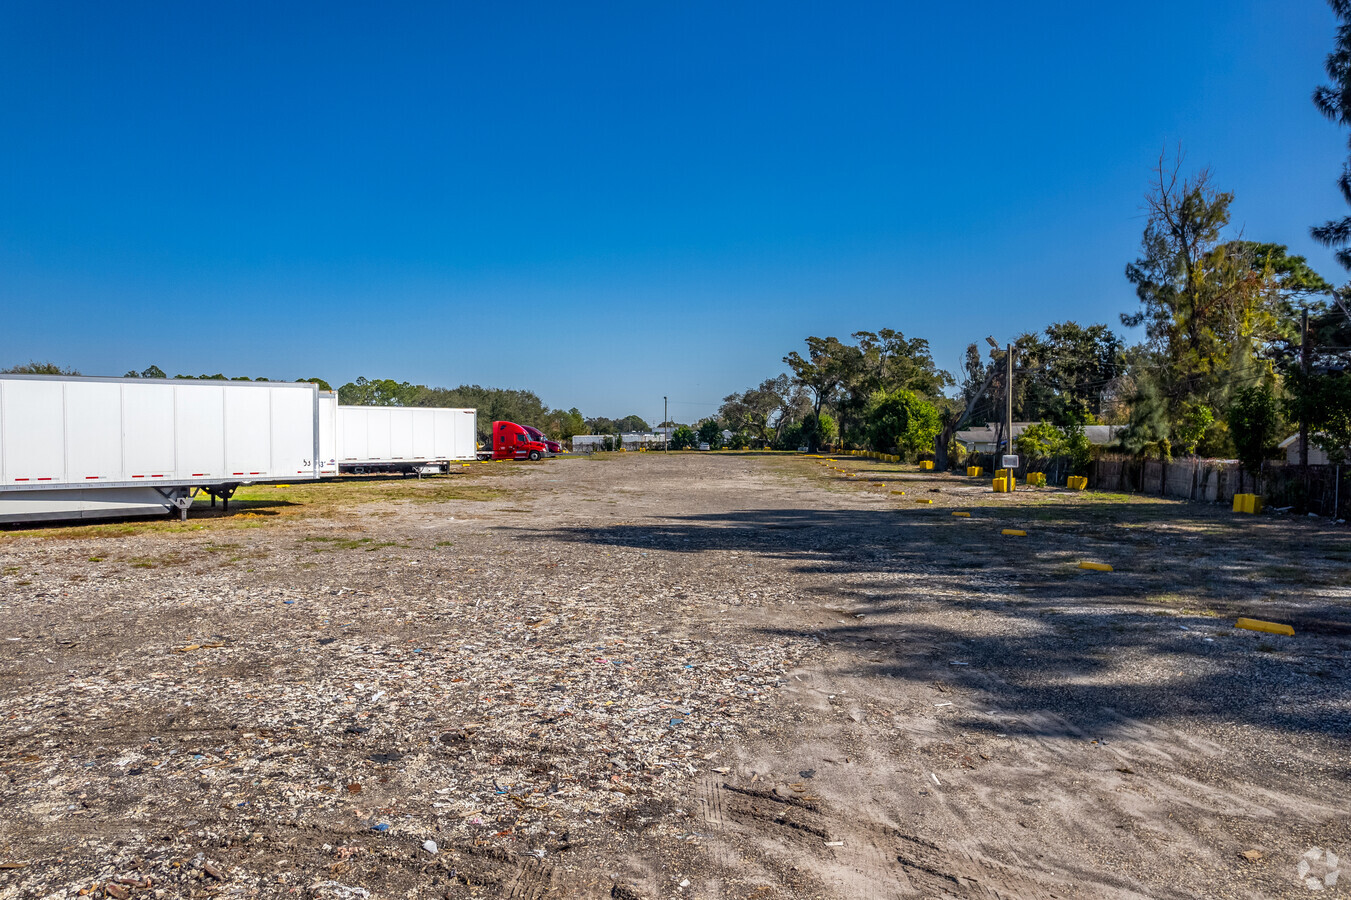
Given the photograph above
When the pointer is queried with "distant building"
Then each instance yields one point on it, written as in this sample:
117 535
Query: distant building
589 443
1317 455
634 440
981 440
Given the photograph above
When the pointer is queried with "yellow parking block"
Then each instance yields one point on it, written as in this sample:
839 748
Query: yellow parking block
962 515
923 501
1096 567
1269 627
1014 532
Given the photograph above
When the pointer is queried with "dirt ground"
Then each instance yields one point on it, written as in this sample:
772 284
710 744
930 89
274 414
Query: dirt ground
703 675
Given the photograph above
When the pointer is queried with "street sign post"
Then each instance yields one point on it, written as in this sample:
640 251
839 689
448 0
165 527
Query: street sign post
1010 461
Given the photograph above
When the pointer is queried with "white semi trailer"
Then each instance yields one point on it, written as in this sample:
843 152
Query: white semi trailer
407 439
77 448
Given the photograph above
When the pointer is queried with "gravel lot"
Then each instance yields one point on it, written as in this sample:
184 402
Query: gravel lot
703 675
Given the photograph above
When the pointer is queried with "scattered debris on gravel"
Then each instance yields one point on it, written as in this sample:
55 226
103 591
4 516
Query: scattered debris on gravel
703 675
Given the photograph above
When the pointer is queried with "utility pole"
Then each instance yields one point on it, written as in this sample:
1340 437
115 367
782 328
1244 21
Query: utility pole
665 426
1008 396
1304 370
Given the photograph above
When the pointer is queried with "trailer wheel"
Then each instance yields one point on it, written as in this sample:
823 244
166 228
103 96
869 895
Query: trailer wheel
534 454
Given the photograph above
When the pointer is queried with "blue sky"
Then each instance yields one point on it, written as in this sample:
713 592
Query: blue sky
608 203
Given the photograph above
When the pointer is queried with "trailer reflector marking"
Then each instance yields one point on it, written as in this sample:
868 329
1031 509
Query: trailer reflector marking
200 474
138 476
91 478
23 479
44 479
236 473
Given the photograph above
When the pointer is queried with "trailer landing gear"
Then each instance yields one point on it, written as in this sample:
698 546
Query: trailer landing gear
224 492
179 499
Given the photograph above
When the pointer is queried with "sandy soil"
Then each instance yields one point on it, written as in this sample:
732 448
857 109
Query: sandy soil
708 675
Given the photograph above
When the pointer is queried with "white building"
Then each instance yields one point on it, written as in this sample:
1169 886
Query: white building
981 440
589 443
634 440
1317 455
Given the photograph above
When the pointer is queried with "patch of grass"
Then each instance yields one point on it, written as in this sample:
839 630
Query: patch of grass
444 544
1292 574
9 570
341 543
96 559
1181 604
258 506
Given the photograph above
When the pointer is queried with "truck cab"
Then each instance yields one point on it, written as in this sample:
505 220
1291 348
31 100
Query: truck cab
554 447
511 441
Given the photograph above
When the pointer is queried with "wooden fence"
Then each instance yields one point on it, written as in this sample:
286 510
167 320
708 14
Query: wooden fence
1317 489
1323 490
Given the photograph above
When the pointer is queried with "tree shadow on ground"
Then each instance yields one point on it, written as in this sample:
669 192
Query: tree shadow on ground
1097 651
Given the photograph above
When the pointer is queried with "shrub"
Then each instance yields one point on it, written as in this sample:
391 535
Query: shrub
899 421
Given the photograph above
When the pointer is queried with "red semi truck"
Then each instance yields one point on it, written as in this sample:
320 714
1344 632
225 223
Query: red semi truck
511 441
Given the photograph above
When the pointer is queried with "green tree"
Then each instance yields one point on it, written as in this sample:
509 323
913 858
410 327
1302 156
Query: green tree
900 421
562 425
1078 448
38 368
763 411
827 429
323 385
1216 313
1323 400
630 424
1254 422
891 361
493 404
683 438
1178 281
977 376
885 360
825 366
1064 373
379 392
1040 440
1196 420
1334 101
710 432
152 371
790 437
